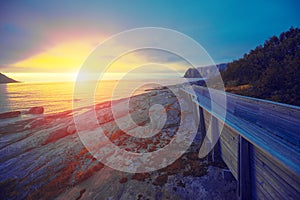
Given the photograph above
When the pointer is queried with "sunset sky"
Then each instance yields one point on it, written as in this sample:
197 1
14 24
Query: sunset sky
49 40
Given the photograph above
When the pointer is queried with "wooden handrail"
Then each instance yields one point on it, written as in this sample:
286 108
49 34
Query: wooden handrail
272 127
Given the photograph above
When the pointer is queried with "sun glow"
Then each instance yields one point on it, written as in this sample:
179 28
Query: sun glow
65 57
62 62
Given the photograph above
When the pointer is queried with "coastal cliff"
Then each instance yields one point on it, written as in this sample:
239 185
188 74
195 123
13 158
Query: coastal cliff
204 72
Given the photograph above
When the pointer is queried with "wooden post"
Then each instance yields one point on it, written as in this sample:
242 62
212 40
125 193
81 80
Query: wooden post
195 108
202 124
215 154
244 178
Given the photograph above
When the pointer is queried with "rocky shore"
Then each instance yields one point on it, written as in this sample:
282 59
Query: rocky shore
44 158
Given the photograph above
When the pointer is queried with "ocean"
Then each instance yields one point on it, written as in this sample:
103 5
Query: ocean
58 97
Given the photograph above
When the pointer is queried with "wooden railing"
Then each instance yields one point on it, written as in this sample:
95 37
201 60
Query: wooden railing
259 141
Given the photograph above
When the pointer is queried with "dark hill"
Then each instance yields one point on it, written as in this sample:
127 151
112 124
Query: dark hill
270 71
5 79
206 71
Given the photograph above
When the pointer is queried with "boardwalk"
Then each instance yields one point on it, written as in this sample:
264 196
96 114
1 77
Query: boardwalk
260 142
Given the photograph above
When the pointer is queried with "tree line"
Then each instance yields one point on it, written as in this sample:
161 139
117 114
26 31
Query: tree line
272 70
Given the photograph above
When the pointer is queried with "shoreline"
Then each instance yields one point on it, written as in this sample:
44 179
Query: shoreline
56 164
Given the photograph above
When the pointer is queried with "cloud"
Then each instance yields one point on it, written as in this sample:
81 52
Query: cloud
18 44
226 29
28 28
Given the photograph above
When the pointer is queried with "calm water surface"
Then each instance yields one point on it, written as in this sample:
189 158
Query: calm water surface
57 97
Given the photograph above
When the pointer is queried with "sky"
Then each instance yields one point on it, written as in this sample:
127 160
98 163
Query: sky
39 39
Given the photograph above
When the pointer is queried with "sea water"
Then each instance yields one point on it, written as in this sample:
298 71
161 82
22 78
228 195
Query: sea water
58 97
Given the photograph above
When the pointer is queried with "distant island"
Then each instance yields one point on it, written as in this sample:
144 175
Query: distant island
5 79
206 71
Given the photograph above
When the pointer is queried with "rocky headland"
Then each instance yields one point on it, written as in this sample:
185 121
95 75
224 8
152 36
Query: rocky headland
5 79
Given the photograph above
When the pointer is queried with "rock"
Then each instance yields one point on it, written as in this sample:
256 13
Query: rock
205 71
227 175
44 158
123 180
161 180
71 129
59 134
192 73
36 110
11 114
